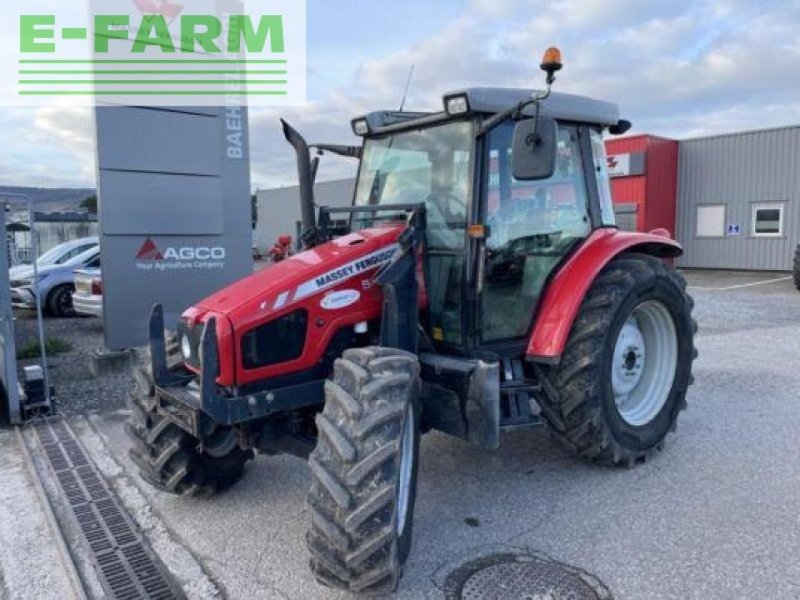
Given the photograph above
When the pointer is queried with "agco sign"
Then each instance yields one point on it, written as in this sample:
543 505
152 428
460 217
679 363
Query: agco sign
150 256
199 253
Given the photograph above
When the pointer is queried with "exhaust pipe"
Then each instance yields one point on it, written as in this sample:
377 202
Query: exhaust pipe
306 173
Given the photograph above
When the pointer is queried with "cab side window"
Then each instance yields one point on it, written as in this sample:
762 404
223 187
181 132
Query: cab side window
533 224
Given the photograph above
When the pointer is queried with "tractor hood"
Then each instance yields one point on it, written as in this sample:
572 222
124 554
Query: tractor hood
281 285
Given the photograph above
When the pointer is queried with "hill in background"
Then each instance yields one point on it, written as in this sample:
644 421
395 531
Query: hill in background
47 200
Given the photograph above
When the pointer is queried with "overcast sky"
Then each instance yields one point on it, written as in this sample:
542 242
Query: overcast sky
678 69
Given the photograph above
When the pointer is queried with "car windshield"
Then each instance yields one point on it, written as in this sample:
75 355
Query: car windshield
83 258
64 253
51 256
431 165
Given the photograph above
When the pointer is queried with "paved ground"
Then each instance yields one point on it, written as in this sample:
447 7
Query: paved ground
30 567
716 515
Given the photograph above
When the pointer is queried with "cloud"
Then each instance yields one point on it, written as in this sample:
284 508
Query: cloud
48 147
676 69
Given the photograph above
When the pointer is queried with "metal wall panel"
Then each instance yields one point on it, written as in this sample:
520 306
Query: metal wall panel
739 170
8 352
141 196
279 209
627 216
160 141
662 185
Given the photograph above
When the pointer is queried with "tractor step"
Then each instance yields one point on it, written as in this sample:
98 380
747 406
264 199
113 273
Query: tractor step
518 407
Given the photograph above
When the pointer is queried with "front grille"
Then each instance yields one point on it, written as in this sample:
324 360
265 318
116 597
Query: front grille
275 342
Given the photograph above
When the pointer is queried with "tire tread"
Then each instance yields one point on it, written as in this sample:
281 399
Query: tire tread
572 388
172 460
352 536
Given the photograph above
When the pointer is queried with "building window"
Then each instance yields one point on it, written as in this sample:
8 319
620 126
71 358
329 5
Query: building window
711 220
768 220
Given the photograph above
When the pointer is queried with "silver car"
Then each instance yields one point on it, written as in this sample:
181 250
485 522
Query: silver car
54 284
58 255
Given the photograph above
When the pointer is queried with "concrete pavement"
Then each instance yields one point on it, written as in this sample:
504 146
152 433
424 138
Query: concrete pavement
716 515
30 566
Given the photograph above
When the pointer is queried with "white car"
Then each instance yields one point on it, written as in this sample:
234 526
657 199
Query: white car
58 255
87 299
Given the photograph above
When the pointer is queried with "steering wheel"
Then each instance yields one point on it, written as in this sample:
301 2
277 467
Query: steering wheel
443 201
518 214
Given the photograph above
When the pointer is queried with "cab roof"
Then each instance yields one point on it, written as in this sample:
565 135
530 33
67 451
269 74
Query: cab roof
488 101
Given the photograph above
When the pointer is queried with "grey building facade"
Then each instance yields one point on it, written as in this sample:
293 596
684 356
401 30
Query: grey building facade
738 204
279 209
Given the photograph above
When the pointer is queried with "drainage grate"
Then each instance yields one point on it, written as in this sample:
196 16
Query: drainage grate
514 577
127 568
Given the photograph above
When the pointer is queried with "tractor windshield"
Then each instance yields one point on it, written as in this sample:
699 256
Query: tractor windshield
431 165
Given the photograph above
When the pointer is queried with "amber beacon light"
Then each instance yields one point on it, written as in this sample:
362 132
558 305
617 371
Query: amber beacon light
551 62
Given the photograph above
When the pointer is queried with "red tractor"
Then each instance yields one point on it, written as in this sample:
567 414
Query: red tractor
480 285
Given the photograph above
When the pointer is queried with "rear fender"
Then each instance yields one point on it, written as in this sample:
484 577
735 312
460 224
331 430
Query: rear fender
569 286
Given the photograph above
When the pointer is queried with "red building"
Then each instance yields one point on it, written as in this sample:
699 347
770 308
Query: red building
644 181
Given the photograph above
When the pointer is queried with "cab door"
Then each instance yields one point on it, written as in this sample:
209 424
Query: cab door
532 225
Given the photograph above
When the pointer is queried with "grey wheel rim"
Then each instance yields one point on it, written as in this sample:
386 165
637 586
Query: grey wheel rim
63 302
644 363
406 467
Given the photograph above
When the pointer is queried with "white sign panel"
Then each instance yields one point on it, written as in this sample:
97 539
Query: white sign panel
619 165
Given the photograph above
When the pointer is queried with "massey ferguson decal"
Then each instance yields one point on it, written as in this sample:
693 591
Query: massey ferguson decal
151 258
345 272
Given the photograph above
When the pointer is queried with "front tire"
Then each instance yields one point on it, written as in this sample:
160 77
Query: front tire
624 374
364 471
796 272
173 461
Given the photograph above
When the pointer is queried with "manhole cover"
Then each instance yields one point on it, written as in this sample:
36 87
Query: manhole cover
521 577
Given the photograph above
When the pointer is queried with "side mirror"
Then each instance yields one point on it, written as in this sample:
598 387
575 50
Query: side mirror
534 150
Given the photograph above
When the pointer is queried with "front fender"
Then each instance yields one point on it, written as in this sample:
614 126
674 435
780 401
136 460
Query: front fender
569 286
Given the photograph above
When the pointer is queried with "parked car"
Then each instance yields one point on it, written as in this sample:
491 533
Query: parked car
58 255
54 284
87 299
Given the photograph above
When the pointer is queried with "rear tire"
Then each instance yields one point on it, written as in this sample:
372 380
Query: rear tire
623 376
173 461
797 268
59 301
364 471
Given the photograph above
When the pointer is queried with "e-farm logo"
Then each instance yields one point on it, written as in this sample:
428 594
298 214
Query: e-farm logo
151 258
164 53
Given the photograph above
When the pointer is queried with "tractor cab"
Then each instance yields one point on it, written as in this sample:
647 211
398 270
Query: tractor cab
508 195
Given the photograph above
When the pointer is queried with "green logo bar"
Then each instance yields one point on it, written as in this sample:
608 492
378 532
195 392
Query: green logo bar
161 53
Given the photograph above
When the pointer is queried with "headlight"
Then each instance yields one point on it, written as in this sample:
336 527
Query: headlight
360 127
186 347
456 105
